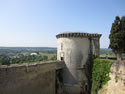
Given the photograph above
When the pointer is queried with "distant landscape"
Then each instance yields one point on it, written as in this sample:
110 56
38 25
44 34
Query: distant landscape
19 55
105 52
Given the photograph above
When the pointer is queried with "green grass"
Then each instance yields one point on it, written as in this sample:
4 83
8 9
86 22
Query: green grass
107 55
50 55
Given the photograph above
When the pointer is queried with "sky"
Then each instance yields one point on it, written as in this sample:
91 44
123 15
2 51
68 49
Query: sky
35 23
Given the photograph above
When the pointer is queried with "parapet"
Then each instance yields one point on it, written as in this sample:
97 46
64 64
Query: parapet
29 78
78 34
58 65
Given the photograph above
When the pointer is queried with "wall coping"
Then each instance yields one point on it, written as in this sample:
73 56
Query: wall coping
78 34
30 64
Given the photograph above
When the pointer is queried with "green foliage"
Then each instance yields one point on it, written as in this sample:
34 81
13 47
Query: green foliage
5 60
45 58
19 55
53 58
28 59
100 74
117 36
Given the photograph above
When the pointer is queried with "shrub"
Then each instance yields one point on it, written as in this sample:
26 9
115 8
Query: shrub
100 74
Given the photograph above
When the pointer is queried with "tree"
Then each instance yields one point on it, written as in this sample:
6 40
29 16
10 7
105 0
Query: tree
123 28
117 36
45 58
4 60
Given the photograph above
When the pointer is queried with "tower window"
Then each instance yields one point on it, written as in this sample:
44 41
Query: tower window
86 88
62 58
61 46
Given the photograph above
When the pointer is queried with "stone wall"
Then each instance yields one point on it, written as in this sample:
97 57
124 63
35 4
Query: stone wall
95 47
117 83
75 52
76 49
36 78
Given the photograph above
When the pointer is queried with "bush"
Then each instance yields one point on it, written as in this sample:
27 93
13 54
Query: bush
100 74
4 60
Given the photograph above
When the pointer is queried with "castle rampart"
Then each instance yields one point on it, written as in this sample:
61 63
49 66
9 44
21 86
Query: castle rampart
69 75
36 78
75 49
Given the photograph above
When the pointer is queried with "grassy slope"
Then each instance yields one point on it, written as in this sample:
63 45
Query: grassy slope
100 74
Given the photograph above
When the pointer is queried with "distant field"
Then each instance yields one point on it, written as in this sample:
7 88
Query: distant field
105 52
18 55
50 55
107 55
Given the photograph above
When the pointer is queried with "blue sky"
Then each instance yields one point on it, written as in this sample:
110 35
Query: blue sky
36 22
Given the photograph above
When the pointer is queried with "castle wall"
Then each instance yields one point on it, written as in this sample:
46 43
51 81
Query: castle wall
116 85
95 47
39 78
75 52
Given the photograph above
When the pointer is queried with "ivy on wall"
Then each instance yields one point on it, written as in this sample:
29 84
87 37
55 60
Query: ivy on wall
100 74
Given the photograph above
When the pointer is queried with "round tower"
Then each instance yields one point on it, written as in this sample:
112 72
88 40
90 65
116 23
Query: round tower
75 49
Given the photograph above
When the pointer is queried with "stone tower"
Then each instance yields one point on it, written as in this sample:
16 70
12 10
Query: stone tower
75 49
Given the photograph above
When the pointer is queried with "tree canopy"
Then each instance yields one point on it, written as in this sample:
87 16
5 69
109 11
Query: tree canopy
117 36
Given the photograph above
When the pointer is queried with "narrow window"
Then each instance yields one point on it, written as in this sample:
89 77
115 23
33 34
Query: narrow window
62 58
86 88
61 46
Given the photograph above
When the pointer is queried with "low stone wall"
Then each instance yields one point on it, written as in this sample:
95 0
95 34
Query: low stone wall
36 78
117 83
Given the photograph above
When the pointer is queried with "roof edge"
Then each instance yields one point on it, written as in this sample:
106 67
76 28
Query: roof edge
78 34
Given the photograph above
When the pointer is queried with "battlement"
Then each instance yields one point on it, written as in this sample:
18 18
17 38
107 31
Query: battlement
77 34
